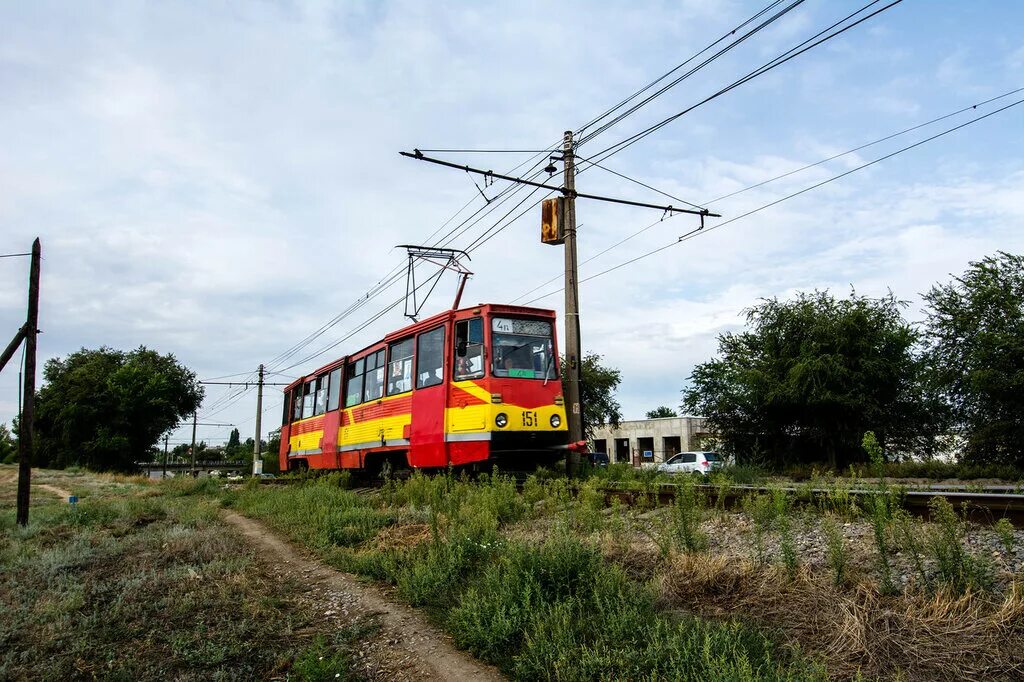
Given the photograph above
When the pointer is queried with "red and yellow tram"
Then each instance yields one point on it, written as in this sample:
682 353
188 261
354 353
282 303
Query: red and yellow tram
476 385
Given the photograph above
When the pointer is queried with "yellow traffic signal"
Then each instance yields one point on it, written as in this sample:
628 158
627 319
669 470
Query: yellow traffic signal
552 221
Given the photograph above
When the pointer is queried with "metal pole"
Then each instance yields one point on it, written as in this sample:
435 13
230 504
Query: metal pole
573 352
28 410
164 474
193 451
257 463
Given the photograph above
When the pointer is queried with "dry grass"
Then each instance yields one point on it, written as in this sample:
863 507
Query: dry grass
401 536
911 637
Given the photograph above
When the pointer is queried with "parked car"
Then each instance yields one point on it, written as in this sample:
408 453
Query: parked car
598 459
692 463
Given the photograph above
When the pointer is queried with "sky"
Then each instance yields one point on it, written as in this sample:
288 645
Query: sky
220 180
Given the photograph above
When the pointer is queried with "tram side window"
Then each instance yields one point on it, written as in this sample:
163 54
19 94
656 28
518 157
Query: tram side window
469 349
308 394
354 383
373 384
334 390
320 403
430 358
400 367
297 403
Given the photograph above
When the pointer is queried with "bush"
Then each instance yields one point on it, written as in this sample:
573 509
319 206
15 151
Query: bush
558 612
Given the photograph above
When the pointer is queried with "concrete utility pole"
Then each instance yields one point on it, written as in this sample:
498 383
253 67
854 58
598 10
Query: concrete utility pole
573 350
193 450
257 463
28 409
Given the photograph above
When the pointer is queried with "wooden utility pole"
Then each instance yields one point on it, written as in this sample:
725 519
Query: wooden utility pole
193 450
257 463
164 474
26 423
573 351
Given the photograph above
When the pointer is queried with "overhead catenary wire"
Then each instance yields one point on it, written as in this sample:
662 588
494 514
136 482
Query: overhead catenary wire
810 43
695 233
772 19
581 130
890 136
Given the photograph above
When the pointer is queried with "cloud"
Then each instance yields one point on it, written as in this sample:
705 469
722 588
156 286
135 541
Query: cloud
219 182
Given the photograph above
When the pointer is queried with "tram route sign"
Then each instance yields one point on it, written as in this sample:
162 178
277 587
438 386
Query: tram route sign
552 221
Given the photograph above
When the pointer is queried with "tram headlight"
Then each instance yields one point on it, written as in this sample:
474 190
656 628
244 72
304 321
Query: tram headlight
556 421
501 421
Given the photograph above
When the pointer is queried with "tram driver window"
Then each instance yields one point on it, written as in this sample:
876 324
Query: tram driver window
297 403
430 358
469 349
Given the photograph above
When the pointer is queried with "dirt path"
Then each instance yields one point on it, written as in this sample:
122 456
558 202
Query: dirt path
59 492
408 647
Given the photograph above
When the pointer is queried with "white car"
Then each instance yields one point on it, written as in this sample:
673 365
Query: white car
692 463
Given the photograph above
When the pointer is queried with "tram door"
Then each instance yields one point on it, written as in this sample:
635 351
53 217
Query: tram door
426 437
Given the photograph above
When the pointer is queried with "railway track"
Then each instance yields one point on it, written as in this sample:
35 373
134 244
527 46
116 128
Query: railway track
980 504
984 506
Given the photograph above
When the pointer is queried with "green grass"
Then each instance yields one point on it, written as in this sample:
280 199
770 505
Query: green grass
143 582
539 609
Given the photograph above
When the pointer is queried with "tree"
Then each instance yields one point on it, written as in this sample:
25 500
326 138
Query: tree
231 450
975 337
597 393
8 446
663 411
104 409
271 460
809 378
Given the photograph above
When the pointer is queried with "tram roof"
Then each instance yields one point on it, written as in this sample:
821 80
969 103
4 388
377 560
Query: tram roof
415 327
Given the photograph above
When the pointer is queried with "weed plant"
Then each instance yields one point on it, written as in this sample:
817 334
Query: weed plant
1004 530
686 515
760 508
958 570
879 508
782 505
908 531
836 553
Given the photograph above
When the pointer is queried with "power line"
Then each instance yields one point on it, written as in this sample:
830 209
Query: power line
586 138
14 255
642 184
781 59
779 177
865 146
488 151
695 233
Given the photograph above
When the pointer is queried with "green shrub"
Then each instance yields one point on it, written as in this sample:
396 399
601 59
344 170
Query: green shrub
558 612
1004 529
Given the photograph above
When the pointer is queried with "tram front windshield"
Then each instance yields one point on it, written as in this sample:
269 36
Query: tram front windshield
522 349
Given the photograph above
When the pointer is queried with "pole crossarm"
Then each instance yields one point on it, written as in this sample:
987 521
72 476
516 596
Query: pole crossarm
566 191
241 383
12 347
